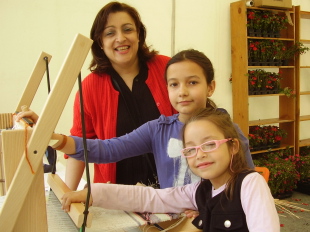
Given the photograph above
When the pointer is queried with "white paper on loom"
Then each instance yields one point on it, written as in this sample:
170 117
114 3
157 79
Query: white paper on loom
112 221
103 220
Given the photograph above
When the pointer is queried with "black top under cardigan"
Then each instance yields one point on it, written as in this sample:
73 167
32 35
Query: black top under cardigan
218 213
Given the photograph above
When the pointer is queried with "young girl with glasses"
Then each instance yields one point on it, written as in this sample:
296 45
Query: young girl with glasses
229 197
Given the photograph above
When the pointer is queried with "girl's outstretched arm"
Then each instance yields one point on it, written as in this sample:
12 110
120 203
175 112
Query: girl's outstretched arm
63 143
136 198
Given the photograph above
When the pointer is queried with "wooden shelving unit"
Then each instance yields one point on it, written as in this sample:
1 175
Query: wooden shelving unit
299 16
286 118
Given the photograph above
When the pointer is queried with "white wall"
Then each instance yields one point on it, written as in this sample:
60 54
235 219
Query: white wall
29 27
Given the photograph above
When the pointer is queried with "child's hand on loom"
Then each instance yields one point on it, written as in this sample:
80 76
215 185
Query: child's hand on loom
191 213
27 113
74 197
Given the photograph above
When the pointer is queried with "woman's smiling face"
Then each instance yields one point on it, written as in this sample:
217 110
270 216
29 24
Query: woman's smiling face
120 41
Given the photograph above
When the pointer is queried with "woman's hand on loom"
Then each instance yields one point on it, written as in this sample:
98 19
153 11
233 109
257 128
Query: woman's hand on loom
191 213
74 197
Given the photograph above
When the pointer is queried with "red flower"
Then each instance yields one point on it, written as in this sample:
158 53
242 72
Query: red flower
251 15
278 138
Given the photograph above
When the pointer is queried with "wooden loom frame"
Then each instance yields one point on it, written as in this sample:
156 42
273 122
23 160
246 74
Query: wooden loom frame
26 99
24 208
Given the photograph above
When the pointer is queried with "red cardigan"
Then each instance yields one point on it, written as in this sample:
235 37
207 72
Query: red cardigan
101 105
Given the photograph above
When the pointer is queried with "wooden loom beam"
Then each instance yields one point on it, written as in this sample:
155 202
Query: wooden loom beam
23 178
34 81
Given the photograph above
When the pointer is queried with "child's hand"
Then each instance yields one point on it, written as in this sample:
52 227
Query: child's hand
74 197
27 113
191 213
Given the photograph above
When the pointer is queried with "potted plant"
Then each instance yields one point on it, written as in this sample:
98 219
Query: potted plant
265 23
283 174
278 47
254 52
265 52
273 135
255 142
272 83
287 91
290 52
265 137
277 23
303 167
255 82
263 82
253 22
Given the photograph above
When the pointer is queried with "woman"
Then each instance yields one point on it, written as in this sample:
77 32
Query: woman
125 89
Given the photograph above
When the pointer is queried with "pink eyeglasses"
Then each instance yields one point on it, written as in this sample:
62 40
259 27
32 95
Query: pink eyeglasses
205 147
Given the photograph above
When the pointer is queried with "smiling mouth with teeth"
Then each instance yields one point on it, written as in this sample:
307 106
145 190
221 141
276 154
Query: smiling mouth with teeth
122 48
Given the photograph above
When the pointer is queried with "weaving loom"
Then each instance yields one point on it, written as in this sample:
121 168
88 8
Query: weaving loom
24 208
26 205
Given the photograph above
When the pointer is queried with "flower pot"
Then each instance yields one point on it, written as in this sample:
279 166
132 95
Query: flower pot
286 194
303 186
272 91
253 62
270 62
284 63
251 32
264 63
276 145
256 92
277 62
258 32
275 34
265 34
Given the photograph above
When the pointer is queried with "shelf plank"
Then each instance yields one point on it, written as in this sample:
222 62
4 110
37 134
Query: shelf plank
306 66
269 38
304 118
305 14
305 93
268 121
305 41
304 142
267 95
271 9
284 146
261 67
